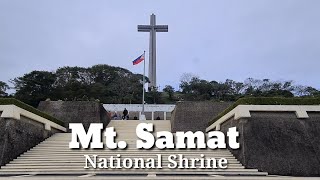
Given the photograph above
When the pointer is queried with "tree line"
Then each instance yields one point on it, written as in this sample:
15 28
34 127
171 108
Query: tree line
194 88
100 82
110 84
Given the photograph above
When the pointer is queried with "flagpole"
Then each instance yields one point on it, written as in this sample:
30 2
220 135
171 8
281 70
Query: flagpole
143 81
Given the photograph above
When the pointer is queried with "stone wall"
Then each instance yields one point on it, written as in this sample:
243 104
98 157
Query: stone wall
84 112
194 116
18 136
279 143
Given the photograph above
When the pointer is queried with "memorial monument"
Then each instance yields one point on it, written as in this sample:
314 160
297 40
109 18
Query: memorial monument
152 28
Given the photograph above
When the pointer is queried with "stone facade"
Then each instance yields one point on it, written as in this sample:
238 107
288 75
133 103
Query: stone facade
18 136
195 116
84 112
278 142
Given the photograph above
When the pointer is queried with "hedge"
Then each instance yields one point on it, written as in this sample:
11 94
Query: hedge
267 101
9 101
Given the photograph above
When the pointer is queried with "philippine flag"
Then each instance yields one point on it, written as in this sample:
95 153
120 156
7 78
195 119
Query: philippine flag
138 60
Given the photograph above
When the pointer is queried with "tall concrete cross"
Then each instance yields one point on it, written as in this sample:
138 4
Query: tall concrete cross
152 28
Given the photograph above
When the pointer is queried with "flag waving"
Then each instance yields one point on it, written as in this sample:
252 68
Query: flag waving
138 60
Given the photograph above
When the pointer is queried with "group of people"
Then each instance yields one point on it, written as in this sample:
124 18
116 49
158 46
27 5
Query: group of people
124 116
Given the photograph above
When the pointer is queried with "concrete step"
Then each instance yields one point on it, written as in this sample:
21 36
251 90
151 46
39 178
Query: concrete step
122 155
123 169
66 146
129 150
142 175
81 165
78 166
130 147
52 143
139 172
128 153
155 172
51 161
133 151
81 157
138 121
69 152
67 163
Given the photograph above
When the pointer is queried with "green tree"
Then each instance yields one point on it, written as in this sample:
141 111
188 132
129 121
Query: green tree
194 88
313 92
107 83
153 96
34 87
3 88
170 90
268 88
72 83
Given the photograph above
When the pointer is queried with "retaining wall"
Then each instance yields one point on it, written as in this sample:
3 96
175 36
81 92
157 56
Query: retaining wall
18 136
194 116
278 142
85 112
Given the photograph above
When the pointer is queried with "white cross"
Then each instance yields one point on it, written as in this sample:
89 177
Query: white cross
152 28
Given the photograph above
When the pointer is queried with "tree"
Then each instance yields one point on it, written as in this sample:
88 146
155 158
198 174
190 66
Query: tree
194 88
3 88
118 85
72 83
107 83
34 87
170 90
310 91
153 96
185 81
268 88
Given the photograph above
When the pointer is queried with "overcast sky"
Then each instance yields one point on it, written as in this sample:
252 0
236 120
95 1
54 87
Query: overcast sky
215 40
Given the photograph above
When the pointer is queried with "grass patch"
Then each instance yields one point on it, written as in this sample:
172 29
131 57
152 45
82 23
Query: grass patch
12 101
267 101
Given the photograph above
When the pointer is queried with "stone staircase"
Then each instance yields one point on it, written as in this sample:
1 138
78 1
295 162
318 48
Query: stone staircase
53 157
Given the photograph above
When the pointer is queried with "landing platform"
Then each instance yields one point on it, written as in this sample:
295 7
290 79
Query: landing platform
150 176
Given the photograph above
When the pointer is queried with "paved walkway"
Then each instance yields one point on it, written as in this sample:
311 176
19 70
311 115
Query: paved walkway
97 177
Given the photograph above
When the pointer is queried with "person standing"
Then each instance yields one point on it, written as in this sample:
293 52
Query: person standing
125 114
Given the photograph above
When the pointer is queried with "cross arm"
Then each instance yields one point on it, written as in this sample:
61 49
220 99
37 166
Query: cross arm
148 28
144 28
161 28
